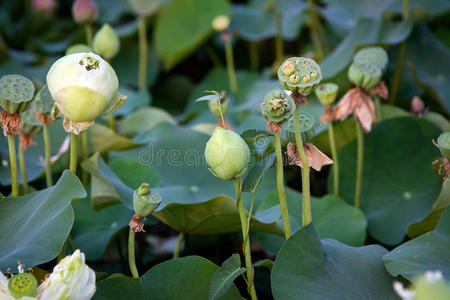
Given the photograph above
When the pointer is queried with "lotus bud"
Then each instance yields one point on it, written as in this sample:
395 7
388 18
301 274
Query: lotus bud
22 285
84 86
327 93
307 127
77 48
299 74
213 106
221 23
46 7
375 56
84 11
277 107
144 8
444 144
106 42
16 93
364 75
227 154
430 285
145 202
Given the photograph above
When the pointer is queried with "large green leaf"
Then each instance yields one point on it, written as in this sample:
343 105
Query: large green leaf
143 119
103 139
424 253
398 185
223 278
182 278
34 227
183 25
306 268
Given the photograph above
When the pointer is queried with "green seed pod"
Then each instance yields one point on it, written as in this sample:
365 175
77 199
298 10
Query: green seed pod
363 75
106 42
277 107
43 101
30 124
376 56
299 74
307 127
145 202
444 144
78 48
214 108
16 93
227 154
22 285
327 93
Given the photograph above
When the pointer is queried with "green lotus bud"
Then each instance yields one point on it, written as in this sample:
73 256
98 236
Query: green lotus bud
326 93
444 144
277 107
22 285
78 48
145 202
144 8
106 42
227 154
376 56
307 127
30 123
16 93
299 74
430 285
363 75
215 109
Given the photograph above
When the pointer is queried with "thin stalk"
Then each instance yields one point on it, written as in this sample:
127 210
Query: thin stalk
314 30
176 252
254 55
249 218
331 137
142 81
23 169
359 166
84 155
279 45
48 164
112 122
62 254
378 115
13 166
88 30
131 256
306 194
280 185
246 245
230 65
73 152
213 56
323 36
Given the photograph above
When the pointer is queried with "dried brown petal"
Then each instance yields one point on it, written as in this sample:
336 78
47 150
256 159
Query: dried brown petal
76 127
365 113
43 118
271 127
137 223
348 104
11 122
316 159
379 90
26 139
299 98
227 125
327 115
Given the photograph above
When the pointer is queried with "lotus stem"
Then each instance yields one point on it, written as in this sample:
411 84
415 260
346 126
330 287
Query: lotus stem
131 256
48 165
13 166
279 46
335 167
84 155
315 31
23 168
73 152
112 122
176 252
142 81
89 34
230 65
359 166
254 55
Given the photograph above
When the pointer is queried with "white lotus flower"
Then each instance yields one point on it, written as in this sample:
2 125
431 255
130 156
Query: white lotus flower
84 87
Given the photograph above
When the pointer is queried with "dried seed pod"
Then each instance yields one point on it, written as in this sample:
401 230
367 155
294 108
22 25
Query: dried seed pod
375 56
364 75
444 144
277 107
299 74
22 285
307 127
16 93
327 93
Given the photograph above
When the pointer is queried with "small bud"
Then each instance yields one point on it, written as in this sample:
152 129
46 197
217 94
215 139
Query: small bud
444 144
417 106
221 23
327 93
78 48
22 285
46 7
288 68
84 11
145 202
277 107
227 154
106 42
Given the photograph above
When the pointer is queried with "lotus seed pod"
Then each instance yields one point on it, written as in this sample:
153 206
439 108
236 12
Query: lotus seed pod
84 86
43 101
77 48
30 123
84 11
327 93
221 23
227 154
22 285
363 75
16 93
444 144
145 202
144 8
277 107
307 127
106 42
215 109
376 56
299 74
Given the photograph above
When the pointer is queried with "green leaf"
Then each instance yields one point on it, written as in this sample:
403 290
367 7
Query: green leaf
103 139
176 40
133 173
182 278
223 278
265 263
144 119
306 268
135 99
34 227
213 97
438 120
398 186
426 252
256 173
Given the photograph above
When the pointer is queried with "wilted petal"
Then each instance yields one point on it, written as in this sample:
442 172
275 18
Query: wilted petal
76 127
379 90
316 159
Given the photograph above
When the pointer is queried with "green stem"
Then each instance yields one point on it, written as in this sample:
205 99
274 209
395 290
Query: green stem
131 257
359 166
23 169
142 81
84 155
112 122
314 30
13 166
213 56
254 55
176 252
246 245
88 29
73 152
62 254
280 185
331 137
279 45
323 36
48 164
306 194
378 115
230 65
